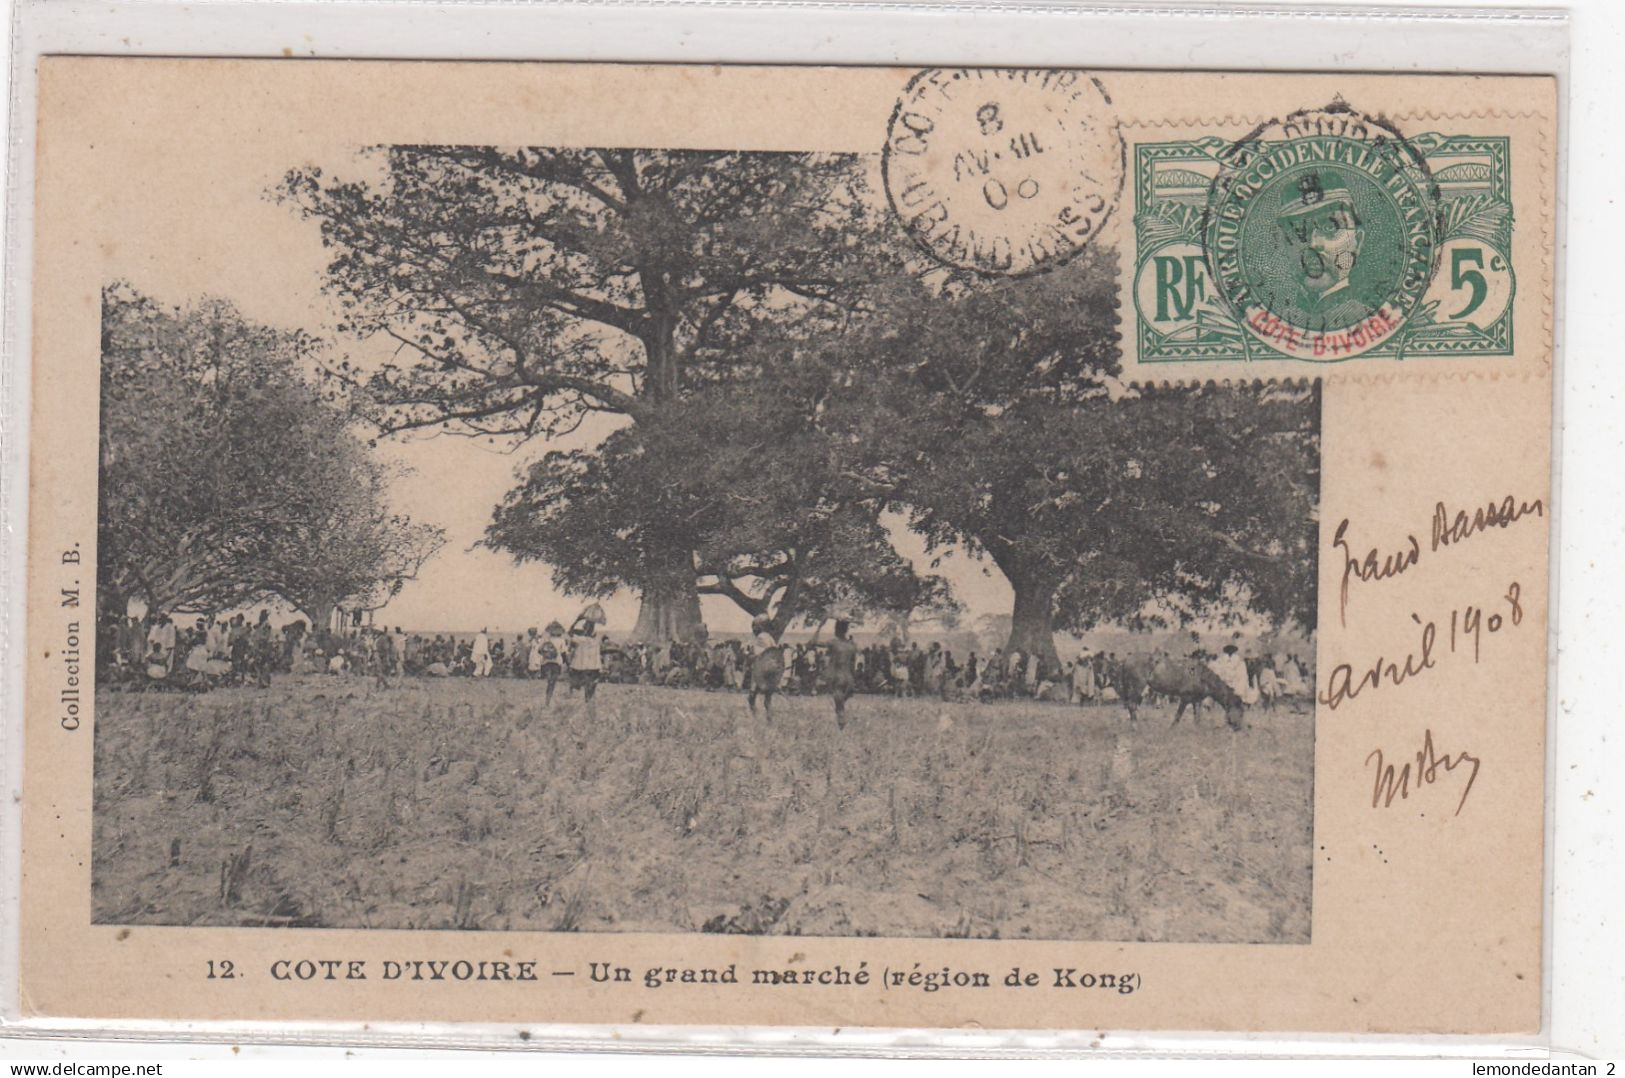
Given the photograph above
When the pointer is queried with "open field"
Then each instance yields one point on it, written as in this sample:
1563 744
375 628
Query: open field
465 804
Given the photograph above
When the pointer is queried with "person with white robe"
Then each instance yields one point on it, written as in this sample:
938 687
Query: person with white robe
161 642
1289 677
218 640
1232 669
1267 683
587 656
1083 678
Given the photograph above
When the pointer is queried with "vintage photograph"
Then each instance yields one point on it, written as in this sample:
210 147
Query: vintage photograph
667 541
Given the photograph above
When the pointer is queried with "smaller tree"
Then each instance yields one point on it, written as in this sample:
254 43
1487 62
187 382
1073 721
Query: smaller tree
224 476
366 552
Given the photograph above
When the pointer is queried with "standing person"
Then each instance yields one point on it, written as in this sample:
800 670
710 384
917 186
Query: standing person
767 670
586 657
1015 672
264 649
546 657
1082 677
730 666
197 652
796 665
385 658
480 654
131 639
1293 681
810 678
523 648
236 633
1266 683
916 670
1232 670
218 639
365 658
552 650
843 655
533 655
1283 678
161 643
934 669
899 671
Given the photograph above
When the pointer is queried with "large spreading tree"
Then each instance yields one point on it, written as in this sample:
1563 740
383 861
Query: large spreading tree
523 290
1172 502
225 478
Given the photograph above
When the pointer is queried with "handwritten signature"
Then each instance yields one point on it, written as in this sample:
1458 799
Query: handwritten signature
1391 784
1448 529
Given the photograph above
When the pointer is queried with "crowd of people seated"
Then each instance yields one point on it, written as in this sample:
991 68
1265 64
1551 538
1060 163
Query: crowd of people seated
206 652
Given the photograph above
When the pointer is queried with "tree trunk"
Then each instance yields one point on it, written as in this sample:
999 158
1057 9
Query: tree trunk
1031 623
665 616
321 616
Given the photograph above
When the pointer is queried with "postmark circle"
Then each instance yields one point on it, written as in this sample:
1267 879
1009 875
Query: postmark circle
1321 232
1003 172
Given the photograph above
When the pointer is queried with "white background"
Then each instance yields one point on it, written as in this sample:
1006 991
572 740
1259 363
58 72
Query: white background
1587 986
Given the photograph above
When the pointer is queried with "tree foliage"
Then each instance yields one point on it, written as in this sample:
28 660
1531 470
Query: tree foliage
1095 499
761 481
523 290
350 549
224 477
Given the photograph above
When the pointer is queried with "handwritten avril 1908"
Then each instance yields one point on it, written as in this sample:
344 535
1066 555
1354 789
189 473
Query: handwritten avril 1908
1467 624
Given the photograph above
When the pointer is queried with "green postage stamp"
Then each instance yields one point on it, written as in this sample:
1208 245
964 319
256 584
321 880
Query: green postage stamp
1323 237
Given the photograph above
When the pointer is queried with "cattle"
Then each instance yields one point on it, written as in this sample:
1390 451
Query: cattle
1187 680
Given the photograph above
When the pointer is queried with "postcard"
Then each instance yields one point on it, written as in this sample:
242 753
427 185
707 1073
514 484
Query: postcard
803 546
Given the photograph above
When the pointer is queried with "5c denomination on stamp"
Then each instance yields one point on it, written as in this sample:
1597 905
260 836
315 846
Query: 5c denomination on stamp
1003 172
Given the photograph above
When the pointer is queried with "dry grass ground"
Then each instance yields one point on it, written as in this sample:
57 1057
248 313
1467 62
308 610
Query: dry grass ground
463 804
